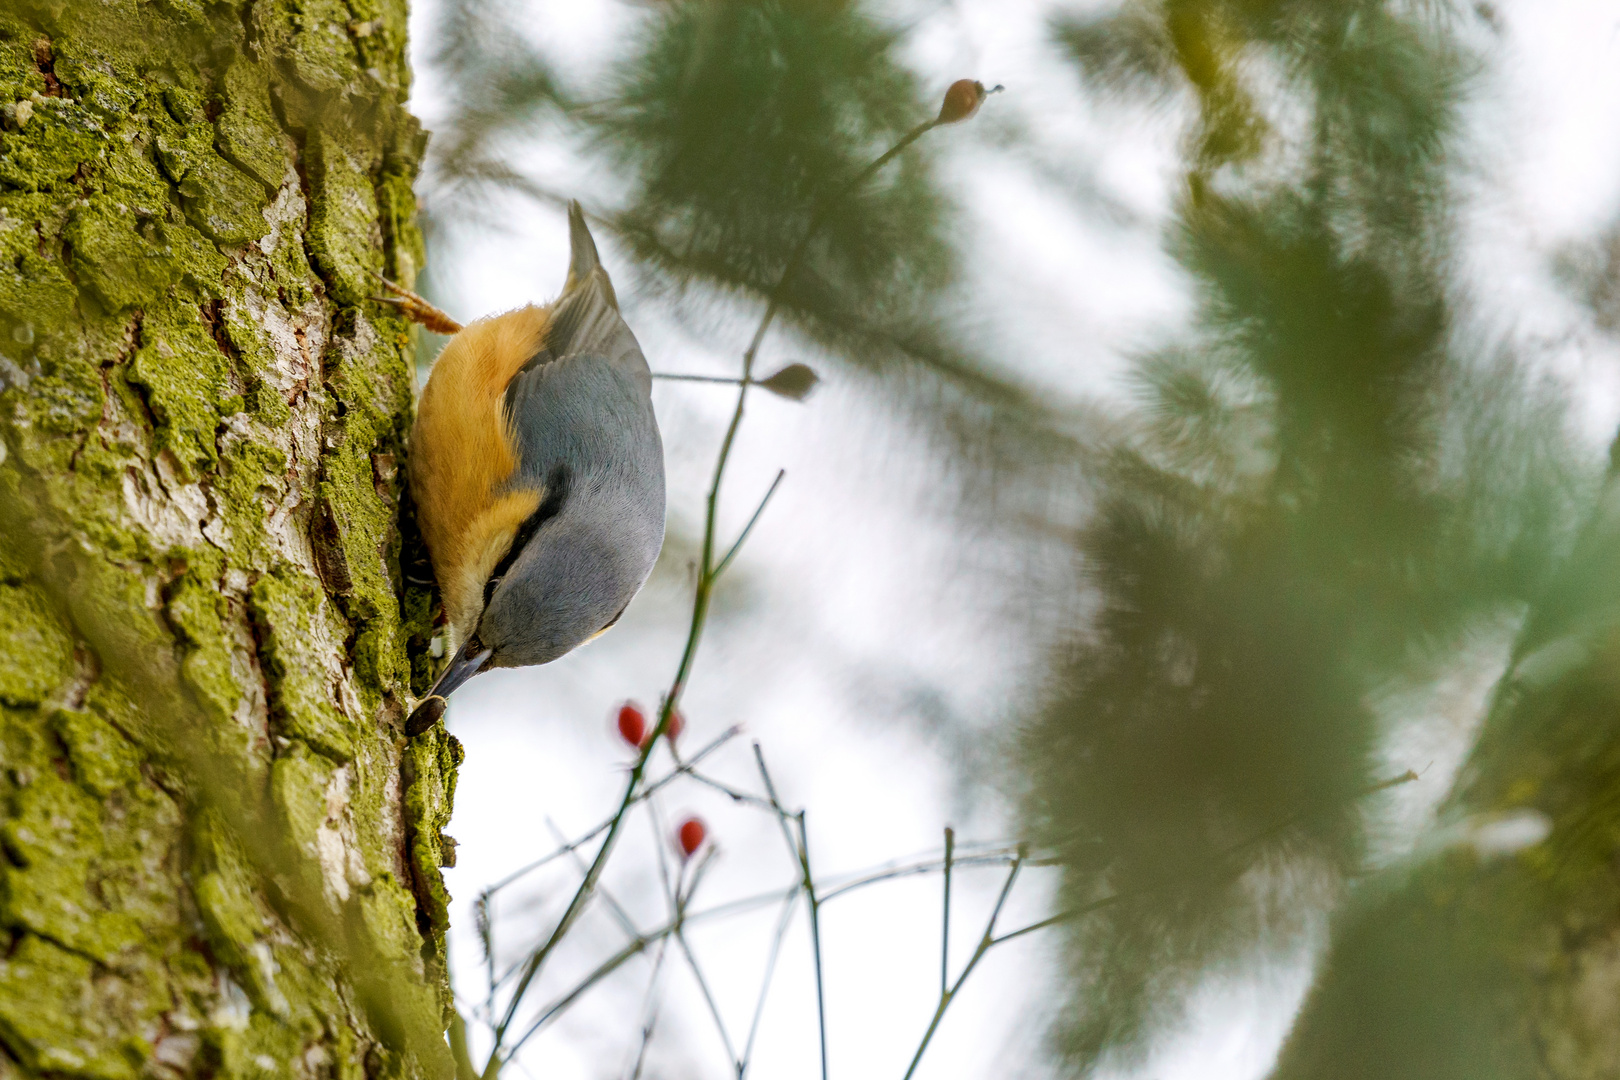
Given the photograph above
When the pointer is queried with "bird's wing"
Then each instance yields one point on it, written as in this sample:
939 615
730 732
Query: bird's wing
585 322
583 416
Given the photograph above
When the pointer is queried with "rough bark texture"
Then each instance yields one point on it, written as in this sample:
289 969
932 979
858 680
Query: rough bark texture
218 854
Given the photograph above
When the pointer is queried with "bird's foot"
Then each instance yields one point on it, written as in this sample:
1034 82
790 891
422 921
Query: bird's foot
416 308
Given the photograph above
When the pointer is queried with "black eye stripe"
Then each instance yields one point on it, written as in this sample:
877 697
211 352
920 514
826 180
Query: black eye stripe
557 485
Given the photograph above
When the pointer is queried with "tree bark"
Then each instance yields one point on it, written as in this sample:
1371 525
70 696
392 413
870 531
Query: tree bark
218 853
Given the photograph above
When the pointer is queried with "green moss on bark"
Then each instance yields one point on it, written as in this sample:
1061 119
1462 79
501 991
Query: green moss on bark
211 857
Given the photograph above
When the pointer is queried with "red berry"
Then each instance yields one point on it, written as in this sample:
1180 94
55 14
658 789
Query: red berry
690 836
677 724
632 724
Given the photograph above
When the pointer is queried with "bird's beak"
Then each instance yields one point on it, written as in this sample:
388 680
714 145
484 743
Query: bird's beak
468 661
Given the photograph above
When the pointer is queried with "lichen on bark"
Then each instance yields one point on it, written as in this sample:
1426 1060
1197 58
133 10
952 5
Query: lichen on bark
218 853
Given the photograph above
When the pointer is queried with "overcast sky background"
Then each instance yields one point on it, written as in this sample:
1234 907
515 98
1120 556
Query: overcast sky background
866 631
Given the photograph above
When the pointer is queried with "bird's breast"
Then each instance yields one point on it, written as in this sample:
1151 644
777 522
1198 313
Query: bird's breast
464 456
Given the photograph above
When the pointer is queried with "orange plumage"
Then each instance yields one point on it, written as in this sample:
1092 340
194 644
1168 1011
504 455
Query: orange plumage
463 453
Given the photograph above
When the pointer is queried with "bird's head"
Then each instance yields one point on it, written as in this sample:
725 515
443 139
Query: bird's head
568 583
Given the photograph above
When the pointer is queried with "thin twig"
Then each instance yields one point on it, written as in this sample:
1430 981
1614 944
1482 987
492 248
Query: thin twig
730 380
649 1010
484 923
691 958
660 838
561 1005
625 922
733 794
732 554
945 921
782 816
645 793
800 849
702 596
782 923
576 905
708 998
814 907
986 941
931 866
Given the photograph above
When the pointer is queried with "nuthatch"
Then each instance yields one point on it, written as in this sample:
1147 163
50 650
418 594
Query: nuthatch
538 475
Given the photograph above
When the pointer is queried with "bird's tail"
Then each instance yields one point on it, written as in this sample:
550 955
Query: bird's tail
582 260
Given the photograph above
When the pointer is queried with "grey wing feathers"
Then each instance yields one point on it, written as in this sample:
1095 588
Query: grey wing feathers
586 322
583 405
584 415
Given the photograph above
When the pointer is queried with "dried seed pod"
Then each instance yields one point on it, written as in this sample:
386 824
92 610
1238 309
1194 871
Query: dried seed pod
794 382
963 99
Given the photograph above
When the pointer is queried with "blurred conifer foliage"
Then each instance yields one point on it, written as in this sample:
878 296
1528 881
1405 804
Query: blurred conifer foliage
1333 485
723 125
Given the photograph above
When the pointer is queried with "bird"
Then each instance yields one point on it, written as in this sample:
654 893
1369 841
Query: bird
537 470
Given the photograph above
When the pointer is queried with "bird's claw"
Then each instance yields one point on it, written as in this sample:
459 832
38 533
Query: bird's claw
416 308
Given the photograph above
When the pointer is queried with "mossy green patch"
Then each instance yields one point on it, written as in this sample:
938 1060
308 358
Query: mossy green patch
228 909
224 201
199 611
361 524
132 643
124 266
312 37
388 911
250 474
264 1048
38 653
397 202
103 760
184 375
200 411
344 236
429 767
298 789
238 923
248 134
297 630
54 1015
253 353
34 290
48 152
53 835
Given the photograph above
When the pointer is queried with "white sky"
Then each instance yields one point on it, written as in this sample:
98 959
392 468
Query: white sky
858 609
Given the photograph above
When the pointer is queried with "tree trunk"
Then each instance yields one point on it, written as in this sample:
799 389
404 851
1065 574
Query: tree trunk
218 853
